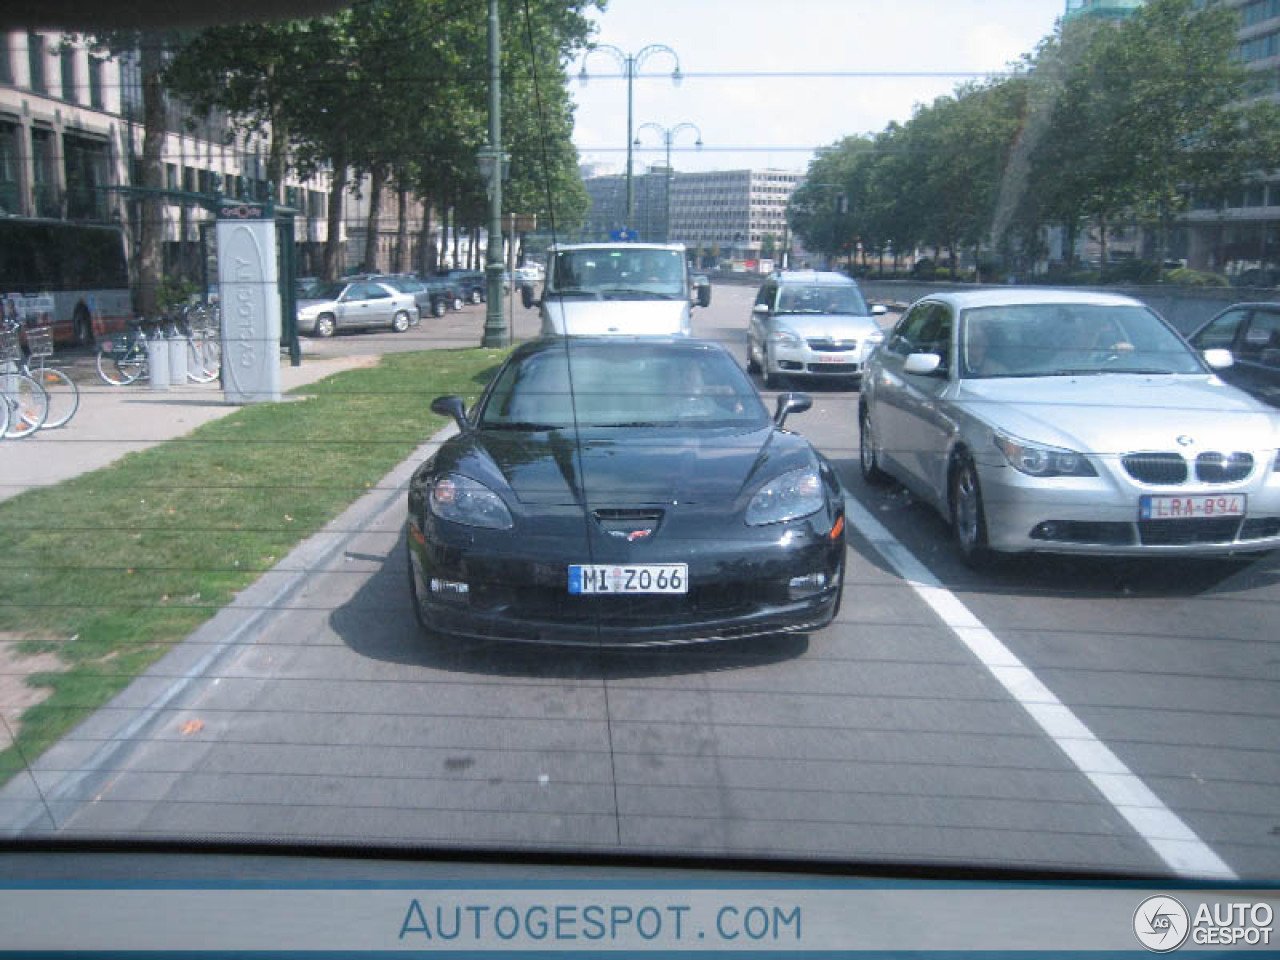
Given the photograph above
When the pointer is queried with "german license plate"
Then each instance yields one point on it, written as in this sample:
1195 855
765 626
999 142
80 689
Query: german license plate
629 578
1181 508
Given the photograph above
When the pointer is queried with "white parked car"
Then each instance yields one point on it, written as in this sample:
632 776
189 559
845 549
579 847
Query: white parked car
1069 422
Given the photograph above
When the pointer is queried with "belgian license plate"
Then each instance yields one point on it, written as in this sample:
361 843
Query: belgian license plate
833 359
1180 508
629 578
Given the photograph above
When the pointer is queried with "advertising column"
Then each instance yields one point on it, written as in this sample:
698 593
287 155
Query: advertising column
249 296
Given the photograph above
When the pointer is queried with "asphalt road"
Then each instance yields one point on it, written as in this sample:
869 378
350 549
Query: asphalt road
1050 713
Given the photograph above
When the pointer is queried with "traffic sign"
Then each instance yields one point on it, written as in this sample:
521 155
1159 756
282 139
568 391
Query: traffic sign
624 236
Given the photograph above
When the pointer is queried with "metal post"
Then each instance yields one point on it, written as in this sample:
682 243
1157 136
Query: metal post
495 333
666 229
631 72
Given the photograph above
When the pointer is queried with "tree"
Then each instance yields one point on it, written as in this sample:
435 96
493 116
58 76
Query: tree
152 49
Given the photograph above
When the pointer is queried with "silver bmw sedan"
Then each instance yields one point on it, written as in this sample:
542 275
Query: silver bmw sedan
1069 422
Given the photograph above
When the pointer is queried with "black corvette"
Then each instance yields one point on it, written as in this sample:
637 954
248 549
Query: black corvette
616 491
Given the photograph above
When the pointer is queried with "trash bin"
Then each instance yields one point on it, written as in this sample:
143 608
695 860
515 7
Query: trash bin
179 345
158 361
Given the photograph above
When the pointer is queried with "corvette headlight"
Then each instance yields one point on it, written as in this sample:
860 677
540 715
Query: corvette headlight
784 338
463 500
788 497
1037 460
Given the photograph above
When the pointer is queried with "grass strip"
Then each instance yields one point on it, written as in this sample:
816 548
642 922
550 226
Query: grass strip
110 569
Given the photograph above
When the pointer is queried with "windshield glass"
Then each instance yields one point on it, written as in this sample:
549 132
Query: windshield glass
325 291
1055 339
959 548
821 298
625 385
619 273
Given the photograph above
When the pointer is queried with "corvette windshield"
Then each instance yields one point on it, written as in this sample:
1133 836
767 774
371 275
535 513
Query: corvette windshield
624 385
1057 339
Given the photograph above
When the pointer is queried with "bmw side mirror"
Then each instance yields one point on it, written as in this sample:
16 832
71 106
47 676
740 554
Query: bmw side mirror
879 310
526 296
452 407
791 403
1219 359
760 308
704 294
922 364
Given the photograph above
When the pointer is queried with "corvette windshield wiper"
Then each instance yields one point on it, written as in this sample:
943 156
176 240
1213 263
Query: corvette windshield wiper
636 423
522 425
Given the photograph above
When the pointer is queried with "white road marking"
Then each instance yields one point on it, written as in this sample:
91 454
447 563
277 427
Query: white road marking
1169 836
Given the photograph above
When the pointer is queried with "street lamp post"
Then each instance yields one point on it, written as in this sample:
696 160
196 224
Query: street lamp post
669 135
491 157
630 63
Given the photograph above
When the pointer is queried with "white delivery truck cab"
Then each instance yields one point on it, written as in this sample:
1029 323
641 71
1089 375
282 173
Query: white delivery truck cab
627 289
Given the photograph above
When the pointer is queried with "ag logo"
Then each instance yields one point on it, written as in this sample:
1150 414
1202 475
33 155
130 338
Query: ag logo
1161 924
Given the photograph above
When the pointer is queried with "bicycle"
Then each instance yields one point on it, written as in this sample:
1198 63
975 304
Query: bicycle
26 402
204 347
64 395
122 358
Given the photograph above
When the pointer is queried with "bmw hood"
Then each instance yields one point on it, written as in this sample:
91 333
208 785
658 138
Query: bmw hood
1119 413
642 318
714 466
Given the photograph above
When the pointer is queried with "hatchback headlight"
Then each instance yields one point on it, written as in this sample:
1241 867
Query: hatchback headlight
1037 460
785 338
463 500
788 497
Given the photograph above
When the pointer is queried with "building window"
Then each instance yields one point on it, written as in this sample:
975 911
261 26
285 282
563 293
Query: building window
86 166
35 61
6 65
44 170
67 63
95 82
10 197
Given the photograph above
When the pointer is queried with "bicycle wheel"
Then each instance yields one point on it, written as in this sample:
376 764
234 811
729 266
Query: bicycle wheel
27 401
204 359
64 395
133 365
119 370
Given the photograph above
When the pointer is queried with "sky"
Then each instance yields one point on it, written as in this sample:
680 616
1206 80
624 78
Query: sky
772 121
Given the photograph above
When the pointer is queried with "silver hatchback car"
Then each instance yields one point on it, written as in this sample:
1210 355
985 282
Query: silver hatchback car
1069 422
807 323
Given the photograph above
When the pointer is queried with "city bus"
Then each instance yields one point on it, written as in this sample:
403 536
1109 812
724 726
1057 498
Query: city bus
78 269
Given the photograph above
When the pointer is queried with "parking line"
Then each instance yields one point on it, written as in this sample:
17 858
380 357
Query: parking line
1168 835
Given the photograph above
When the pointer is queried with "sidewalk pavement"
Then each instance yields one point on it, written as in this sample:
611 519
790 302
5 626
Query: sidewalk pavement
113 421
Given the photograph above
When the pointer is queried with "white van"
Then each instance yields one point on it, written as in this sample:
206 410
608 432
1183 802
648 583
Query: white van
629 289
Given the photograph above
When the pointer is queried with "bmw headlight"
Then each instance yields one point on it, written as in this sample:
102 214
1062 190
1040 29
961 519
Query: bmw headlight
463 500
788 497
784 338
1037 460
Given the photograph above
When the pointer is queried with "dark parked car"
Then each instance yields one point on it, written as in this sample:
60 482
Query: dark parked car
445 294
473 284
657 503
1251 331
